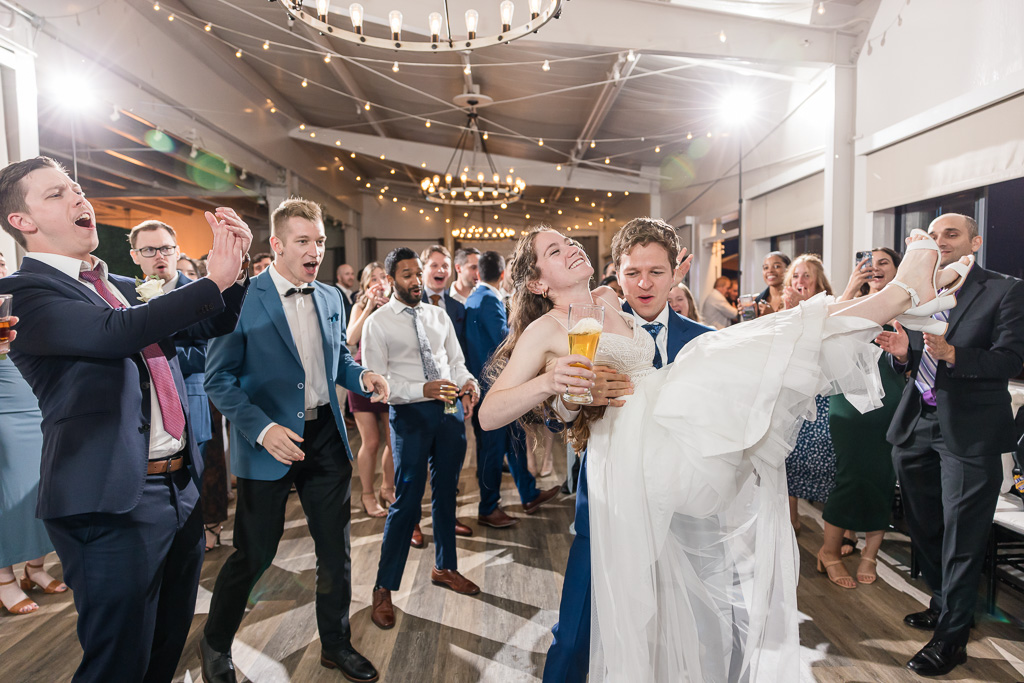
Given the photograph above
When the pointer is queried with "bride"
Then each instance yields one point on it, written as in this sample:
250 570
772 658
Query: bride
694 561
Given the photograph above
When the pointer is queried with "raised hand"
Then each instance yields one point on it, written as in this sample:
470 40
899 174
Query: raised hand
859 276
225 260
896 344
683 263
225 217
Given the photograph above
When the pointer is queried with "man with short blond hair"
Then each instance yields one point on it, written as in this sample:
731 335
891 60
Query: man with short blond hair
274 378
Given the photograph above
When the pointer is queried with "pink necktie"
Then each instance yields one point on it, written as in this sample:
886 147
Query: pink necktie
159 369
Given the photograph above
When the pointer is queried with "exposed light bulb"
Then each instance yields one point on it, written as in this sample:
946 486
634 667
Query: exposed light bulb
472 22
534 8
485 136
395 19
689 136
355 12
506 9
821 8
366 106
434 19
156 6
266 44
607 160
427 123
394 67
170 17
721 36
327 59
305 83
593 144
208 28
238 53
302 126
540 143
321 9
558 167
194 152
468 70
630 56
546 66
657 150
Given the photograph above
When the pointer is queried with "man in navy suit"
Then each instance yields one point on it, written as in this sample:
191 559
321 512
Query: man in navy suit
274 378
643 252
486 329
120 470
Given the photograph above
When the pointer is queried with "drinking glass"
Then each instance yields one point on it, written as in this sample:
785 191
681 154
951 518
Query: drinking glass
585 324
747 306
5 324
450 407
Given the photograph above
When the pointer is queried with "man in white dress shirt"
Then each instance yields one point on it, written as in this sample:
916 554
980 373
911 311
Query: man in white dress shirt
467 273
716 309
414 346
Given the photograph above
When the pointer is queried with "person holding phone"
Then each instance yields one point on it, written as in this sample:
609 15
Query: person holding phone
861 498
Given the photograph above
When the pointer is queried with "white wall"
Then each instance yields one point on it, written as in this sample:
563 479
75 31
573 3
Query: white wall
944 49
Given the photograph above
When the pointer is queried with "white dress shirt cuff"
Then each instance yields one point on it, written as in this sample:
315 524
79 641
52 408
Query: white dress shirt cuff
362 382
263 434
568 415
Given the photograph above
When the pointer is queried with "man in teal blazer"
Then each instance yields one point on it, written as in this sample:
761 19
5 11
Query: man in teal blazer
274 378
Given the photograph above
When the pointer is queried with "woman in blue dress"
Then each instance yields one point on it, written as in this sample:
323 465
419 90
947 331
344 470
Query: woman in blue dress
22 537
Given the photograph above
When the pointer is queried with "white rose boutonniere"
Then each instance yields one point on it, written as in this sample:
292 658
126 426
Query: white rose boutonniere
150 288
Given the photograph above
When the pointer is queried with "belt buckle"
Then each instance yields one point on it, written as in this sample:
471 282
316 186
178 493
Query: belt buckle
311 414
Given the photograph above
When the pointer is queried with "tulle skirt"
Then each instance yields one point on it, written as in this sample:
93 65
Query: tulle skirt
695 563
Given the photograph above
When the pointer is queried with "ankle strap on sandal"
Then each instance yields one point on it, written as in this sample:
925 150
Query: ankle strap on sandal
915 299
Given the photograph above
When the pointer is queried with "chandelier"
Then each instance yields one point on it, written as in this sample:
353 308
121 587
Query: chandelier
441 37
473 185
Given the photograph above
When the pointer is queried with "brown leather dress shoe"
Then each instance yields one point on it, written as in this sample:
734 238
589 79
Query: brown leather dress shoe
383 613
462 530
542 497
497 519
417 537
449 578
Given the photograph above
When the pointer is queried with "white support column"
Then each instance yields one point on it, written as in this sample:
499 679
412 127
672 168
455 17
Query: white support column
839 235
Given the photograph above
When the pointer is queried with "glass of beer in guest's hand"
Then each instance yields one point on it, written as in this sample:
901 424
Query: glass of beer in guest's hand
585 324
5 323
450 394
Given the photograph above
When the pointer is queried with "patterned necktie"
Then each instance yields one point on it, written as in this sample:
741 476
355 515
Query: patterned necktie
927 368
430 370
299 290
654 329
159 369
435 299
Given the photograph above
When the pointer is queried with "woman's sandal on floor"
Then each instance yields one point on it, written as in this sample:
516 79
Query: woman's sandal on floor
824 567
26 606
27 583
871 577
381 510
214 530
382 498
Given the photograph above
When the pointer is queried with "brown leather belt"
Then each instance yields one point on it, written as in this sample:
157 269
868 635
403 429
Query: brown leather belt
167 465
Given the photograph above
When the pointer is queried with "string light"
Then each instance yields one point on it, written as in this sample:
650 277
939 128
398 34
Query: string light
689 136
266 44
238 53
394 67
305 83
558 167
302 126
821 8
607 160
366 106
657 150
721 36
156 6
426 124
327 59
468 70
546 66
208 28
540 143
170 17
593 144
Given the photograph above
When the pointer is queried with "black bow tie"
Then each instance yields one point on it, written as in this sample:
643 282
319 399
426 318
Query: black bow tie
299 290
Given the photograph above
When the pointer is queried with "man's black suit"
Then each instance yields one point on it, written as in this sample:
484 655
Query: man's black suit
130 543
947 457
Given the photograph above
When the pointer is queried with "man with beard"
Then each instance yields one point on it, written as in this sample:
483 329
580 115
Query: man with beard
274 378
414 345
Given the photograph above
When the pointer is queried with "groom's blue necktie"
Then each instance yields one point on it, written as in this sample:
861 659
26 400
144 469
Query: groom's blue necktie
654 329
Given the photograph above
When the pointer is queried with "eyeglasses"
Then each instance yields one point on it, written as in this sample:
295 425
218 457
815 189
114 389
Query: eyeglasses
150 252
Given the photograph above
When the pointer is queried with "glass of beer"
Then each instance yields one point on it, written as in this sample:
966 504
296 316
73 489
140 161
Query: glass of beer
451 395
585 324
747 306
5 321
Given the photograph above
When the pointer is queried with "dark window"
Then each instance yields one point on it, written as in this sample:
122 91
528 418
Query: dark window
810 241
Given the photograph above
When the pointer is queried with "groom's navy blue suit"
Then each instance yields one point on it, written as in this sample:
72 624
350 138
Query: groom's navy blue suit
569 656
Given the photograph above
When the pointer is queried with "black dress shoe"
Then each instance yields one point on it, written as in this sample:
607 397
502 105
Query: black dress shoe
925 620
937 658
352 665
216 667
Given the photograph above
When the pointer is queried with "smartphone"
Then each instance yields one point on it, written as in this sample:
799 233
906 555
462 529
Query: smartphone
861 255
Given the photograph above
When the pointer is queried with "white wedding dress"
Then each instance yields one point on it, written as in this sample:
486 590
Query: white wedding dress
694 560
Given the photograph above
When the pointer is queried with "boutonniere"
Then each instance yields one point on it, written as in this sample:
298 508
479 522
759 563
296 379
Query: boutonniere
150 288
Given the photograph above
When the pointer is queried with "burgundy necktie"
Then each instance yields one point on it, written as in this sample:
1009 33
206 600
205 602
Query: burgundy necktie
159 368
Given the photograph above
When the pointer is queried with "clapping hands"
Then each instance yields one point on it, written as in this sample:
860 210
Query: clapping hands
231 240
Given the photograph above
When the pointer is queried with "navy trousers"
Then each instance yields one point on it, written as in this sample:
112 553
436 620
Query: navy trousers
569 655
135 577
422 434
492 448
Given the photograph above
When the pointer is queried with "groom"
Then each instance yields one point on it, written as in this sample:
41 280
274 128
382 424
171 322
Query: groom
644 252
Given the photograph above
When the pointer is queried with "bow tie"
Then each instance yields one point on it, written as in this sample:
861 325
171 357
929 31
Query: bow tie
299 290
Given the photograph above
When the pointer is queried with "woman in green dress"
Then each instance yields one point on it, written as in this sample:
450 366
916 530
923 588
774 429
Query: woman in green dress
861 499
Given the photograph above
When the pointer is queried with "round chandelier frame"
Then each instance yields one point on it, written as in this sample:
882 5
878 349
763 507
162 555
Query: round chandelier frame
472 186
540 11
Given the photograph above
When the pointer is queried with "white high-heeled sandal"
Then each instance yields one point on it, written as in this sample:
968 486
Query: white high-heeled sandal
919 316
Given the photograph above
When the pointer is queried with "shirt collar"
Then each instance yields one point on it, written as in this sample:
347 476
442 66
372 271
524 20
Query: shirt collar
343 288
281 283
490 287
172 284
397 306
69 265
662 318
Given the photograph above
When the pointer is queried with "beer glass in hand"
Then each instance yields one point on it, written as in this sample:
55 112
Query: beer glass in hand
5 322
585 324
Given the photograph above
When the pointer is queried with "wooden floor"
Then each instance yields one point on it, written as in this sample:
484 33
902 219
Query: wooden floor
501 636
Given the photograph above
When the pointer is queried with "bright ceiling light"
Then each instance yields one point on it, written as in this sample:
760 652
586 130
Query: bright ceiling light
737 107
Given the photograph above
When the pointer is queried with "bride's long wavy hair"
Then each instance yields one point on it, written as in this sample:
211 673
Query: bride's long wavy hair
524 308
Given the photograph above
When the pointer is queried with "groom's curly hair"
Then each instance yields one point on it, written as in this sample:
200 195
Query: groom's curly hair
641 232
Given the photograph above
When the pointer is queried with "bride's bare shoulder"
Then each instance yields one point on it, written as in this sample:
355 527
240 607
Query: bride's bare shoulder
544 327
607 296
